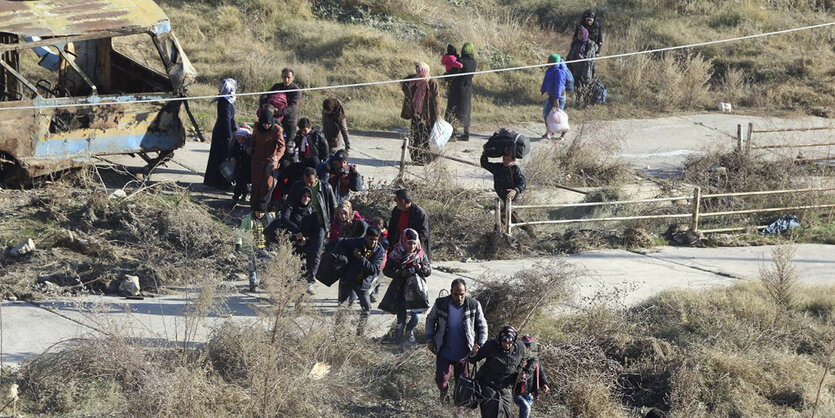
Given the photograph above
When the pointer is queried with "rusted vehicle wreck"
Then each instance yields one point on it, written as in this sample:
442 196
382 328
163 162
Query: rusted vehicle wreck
81 79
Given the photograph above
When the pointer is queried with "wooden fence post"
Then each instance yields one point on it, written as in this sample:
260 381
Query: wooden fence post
697 199
748 144
403 151
498 214
508 209
739 137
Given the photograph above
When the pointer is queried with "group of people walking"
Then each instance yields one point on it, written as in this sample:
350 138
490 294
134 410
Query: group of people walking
299 183
579 74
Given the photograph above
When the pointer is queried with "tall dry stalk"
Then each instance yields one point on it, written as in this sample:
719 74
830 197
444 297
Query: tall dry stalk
780 280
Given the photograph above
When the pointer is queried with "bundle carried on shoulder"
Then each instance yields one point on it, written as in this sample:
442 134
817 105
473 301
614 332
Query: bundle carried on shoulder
505 139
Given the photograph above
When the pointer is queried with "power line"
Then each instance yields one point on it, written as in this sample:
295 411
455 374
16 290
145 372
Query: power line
474 73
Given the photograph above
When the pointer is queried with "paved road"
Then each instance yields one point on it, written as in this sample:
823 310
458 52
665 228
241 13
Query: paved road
660 144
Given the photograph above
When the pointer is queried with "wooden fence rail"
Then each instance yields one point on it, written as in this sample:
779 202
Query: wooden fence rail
747 144
694 214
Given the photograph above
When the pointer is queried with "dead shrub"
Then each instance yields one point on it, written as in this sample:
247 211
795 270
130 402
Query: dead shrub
781 279
518 298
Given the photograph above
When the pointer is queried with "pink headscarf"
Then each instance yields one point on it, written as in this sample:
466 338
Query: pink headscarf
399 253
422 85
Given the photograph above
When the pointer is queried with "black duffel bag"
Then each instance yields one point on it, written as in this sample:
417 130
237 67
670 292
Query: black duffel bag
505 139
332 265
467 390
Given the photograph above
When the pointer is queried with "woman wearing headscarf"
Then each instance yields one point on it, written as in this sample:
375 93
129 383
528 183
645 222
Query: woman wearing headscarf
405 261
421 105
347 223
267 149
222 133
459 105
335 125
590 22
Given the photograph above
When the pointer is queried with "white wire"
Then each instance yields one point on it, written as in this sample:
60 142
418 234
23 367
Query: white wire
377 83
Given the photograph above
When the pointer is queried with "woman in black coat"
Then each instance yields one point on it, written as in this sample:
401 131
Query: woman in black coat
222 134
406 260
460 101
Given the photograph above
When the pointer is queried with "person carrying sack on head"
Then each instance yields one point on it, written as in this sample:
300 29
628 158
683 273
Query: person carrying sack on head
455 328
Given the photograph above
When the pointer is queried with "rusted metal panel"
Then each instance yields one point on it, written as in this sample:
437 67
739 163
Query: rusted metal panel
48 18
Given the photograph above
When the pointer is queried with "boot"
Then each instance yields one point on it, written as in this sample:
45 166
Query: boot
398 333
444 399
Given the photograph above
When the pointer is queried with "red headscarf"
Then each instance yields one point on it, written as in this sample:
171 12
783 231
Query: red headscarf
399 253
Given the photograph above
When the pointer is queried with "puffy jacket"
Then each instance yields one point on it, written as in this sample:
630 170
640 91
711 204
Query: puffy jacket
475 325
554 81
505 178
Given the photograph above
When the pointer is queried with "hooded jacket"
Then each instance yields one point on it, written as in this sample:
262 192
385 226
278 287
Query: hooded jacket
595 30
554 81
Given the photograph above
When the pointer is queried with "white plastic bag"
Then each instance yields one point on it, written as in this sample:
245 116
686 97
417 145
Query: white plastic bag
440 134
557 121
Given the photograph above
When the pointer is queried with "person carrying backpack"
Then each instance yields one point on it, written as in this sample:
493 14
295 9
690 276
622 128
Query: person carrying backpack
536 382
554 85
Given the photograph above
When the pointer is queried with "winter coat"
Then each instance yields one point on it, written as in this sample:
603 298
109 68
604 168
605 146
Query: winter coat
317 143
243 160
222 133
501 367
418 220
267 150
505 178
342 183
459 102
336 133
554 81
360 273
595 30
583 71
395 302
475 325
327 201
431 102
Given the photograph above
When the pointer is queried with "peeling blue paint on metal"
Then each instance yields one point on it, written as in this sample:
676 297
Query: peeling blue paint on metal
86 147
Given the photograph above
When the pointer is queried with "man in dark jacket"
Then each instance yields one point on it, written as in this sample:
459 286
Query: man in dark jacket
590 21
310 142
504 361
536 383
365 261
324 205
455 327
294 98
407 214
342 177
508 182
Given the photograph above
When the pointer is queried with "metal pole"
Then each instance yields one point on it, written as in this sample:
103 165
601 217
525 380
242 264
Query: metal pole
749 144
739 137
498 214
697 198
403 151
507 207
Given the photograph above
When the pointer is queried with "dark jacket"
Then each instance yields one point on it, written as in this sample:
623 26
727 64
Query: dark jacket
326 200
336 132
459 102
343 183
360 273
396 302
418 220
595 30
475 325
294 98
243 160
500 368
317 143
536 376
505 178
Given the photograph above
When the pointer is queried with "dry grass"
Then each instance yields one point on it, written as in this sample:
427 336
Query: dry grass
359 41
